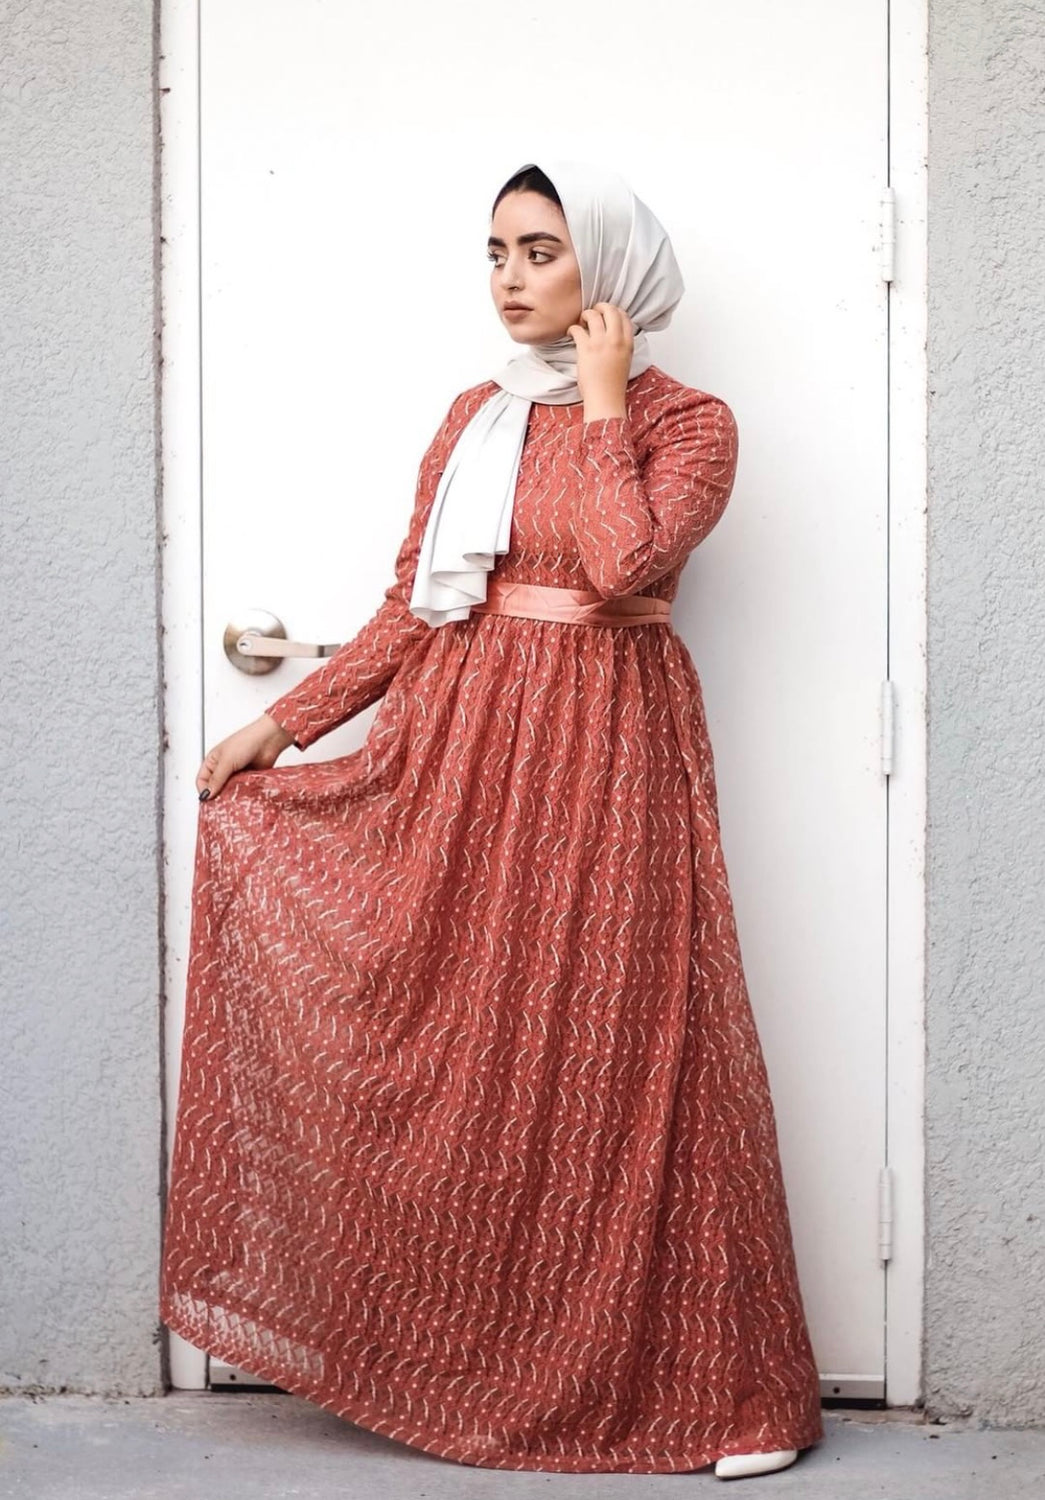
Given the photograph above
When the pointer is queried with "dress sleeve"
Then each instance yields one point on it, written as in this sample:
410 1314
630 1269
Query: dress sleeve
637 520
361 671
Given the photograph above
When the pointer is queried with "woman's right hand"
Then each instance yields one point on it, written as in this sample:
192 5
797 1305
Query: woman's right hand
256 746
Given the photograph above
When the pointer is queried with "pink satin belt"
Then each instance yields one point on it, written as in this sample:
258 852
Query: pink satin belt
539 601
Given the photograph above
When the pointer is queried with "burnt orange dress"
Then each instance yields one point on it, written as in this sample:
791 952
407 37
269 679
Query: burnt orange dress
474 1142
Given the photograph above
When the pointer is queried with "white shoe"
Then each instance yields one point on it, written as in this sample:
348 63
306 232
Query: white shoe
738 1465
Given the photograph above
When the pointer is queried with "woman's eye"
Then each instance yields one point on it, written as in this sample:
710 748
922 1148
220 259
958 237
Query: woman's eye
496 259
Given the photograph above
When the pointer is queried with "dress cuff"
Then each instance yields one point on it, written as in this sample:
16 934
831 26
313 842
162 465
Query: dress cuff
288 723
608 450
608 435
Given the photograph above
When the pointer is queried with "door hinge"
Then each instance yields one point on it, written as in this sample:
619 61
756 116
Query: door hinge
885 1214
888 727
888 233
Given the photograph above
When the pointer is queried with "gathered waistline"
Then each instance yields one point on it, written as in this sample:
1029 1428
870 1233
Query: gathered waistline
541 601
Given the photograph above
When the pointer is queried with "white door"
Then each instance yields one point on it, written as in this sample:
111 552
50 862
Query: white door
348 159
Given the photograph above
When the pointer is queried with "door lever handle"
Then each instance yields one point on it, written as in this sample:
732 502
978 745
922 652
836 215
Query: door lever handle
256 642
253 643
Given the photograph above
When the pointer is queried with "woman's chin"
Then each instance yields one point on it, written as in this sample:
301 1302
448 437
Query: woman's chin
521 336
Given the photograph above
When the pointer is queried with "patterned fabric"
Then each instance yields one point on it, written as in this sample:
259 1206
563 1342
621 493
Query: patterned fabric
475 1144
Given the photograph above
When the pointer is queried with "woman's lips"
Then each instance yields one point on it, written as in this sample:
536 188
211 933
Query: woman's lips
517 312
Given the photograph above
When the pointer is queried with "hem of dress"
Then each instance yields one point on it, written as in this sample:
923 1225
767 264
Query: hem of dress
237 1349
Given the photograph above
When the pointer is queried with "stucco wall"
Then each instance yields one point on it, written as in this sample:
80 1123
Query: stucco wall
985 1307
79 728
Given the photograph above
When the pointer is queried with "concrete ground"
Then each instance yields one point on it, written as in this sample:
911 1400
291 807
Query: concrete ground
258 1445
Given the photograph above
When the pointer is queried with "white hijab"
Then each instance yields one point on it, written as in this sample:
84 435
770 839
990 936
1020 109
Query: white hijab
625 257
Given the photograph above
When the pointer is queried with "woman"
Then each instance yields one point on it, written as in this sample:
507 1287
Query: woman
475 1144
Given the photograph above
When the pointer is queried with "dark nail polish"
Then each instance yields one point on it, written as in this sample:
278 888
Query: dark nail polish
205 794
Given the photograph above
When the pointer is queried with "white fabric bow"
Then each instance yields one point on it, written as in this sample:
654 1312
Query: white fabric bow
625 257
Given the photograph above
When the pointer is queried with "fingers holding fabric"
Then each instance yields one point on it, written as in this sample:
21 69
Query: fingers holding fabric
605 344
256 746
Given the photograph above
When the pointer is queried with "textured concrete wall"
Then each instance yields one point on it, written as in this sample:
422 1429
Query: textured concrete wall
985 1311
79 727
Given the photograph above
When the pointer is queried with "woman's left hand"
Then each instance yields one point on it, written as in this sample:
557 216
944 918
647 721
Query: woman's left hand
605 342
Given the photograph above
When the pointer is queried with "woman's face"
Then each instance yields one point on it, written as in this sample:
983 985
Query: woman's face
534 264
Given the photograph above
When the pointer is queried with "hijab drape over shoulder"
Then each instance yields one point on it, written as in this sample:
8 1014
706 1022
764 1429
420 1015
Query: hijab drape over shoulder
625 257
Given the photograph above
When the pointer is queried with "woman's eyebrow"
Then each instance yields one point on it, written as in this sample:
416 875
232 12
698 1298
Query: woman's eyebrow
524 239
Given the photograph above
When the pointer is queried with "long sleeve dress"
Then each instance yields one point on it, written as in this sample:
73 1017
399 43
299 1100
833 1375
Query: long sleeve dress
474 1143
